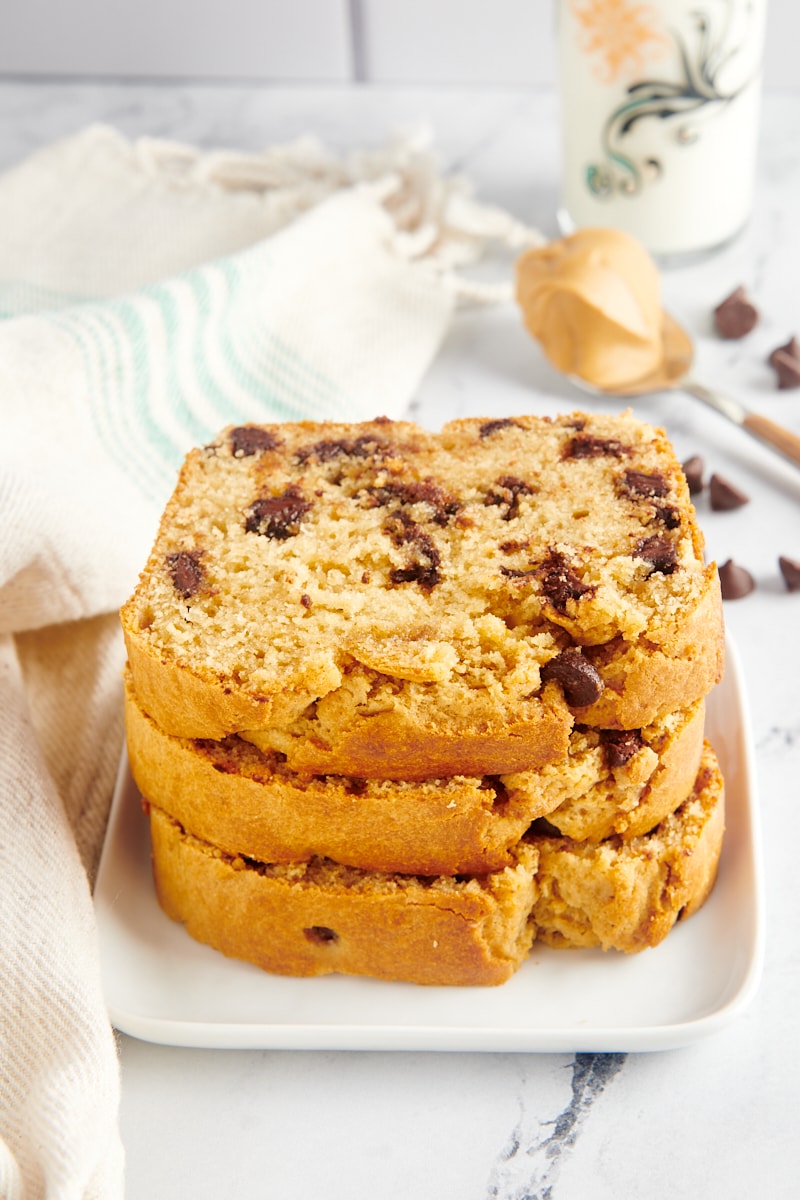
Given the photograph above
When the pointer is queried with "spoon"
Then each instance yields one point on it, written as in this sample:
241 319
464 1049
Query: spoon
673 373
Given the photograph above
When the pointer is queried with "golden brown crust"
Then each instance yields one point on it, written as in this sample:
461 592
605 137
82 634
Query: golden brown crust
415 741
230 794
628 895
320 917
398 928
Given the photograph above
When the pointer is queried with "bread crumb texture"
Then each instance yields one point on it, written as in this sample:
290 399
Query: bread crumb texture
334 590
627 895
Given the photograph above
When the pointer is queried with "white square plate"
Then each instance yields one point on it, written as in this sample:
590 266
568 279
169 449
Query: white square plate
162 986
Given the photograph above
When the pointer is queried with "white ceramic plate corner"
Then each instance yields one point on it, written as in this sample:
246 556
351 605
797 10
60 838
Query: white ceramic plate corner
163 987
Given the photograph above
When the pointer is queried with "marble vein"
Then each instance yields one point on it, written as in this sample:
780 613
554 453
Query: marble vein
529 1165
779 737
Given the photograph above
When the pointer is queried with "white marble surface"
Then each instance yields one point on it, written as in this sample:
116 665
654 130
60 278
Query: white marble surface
713 1120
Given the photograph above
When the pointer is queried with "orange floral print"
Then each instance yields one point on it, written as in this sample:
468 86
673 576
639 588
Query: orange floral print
626 36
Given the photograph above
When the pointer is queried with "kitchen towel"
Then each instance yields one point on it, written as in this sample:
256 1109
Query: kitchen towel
150 294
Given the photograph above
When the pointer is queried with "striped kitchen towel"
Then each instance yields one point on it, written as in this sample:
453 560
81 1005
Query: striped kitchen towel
149 295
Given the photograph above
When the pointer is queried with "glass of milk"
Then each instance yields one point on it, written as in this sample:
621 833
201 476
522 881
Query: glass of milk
660 107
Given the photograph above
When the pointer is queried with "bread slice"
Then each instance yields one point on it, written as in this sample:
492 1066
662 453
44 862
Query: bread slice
318 917
244 801
392 603
628 895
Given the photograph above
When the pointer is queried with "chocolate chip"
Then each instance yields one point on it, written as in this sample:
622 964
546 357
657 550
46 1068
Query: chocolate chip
541 827
785 361
792 348
321 935
403 529
278 516
305 600
638 483
505 493
724 496
424 569
788 371
559 581
586 445
425 491
581 682
693 469
426 574
360 447
668 516
620 745
516 573
660 552
735 581
251 439
736 316
186 571
490 427
790 570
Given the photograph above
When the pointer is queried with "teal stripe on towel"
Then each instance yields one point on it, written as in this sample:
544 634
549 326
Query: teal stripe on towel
122 427
19 298
258 354
170 365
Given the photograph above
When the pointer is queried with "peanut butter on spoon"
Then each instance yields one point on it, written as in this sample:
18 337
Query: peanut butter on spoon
593 302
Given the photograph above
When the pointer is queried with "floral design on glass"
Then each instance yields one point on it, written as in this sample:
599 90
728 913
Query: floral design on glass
622 37
626 35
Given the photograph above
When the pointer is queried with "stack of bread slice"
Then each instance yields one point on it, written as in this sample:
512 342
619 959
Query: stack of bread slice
400 703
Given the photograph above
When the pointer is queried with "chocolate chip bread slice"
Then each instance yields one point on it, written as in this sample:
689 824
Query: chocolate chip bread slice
319 917
244 801
388 602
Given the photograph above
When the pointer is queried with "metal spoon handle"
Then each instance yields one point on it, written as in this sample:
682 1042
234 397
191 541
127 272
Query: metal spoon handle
761 428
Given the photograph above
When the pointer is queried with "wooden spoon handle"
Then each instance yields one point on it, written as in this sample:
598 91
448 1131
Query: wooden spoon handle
761 428
781 439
